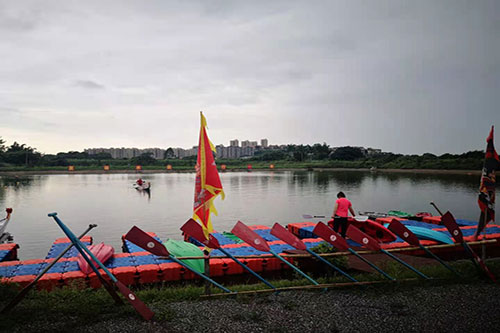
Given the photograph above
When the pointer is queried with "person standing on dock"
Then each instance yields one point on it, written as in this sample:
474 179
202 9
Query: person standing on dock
340 213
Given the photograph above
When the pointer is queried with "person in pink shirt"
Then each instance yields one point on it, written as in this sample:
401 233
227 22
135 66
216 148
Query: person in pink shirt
340 213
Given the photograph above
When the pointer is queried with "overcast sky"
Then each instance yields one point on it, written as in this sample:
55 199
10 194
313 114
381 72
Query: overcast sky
403 76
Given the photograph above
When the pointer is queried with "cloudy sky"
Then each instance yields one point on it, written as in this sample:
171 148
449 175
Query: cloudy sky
403 76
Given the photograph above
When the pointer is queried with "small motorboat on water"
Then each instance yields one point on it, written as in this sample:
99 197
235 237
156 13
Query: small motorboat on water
143 186
5 237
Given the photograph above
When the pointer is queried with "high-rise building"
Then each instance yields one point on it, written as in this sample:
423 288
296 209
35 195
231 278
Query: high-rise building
234 143
264 143
247 151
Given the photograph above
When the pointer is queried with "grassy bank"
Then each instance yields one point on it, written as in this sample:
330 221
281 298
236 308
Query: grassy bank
177 307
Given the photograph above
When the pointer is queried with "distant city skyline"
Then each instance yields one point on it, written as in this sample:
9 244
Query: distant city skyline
247 148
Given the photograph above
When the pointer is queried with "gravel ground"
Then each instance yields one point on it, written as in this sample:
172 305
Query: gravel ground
452 308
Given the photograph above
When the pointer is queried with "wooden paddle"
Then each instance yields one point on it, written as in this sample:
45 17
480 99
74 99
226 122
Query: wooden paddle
279 231
449 222
434 205
364 240
359 218
148 243
333 238
139 306
195 230
402 231
255 240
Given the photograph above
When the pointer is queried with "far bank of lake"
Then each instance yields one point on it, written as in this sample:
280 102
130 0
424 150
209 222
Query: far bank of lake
27 171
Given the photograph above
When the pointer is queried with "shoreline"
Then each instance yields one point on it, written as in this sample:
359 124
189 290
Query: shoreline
153 171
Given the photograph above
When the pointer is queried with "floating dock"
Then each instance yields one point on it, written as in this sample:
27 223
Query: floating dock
135 266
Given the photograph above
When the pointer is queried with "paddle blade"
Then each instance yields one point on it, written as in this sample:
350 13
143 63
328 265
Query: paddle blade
449 222
307 216
399 229
195 230
145 241
329 235
361 238
250 237
139 306
286 236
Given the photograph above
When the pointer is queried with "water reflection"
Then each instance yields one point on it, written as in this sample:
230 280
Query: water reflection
16 181
259 197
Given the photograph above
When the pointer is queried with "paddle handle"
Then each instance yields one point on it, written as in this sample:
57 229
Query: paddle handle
405 264
331 265
247 268
293 267
434 205
200 274
372 265
229 255
439 259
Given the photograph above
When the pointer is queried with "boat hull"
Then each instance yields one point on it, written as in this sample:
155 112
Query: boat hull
102 252
184 249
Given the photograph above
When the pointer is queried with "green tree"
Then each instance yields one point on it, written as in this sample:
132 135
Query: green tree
2 145
2 149
101 156
19 154
347 154
53 160
169 153
74 155
144 159
320 152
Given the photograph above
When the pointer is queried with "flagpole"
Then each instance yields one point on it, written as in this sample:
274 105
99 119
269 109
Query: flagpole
483 247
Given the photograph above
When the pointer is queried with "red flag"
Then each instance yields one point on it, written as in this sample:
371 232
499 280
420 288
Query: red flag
486 198
207 184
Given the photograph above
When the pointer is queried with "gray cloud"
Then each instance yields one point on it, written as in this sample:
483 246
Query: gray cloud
408 77
88 84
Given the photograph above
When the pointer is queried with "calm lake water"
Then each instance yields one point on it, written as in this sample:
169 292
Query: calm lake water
259 197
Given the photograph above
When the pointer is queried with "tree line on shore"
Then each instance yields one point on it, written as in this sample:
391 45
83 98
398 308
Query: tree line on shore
318 155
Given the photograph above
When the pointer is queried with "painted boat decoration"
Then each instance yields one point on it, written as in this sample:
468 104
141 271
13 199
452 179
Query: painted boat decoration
102 251
373 229
183 249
